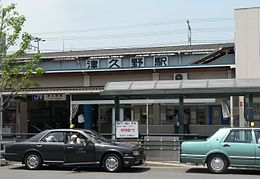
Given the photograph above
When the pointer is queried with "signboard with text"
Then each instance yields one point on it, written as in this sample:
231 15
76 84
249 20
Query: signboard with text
37 97
54 97
127 129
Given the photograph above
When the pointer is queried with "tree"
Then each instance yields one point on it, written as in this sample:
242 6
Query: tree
16 70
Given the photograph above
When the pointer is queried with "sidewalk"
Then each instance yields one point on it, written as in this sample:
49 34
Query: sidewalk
166 164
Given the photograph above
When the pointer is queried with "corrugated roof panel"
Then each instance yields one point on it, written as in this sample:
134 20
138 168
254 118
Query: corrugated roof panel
118 85
143 85
206 87
194 84
221 83
168 84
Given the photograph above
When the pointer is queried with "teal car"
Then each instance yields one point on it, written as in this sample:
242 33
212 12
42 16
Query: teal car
228 147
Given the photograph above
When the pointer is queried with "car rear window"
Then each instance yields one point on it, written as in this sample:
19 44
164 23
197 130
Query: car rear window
239 136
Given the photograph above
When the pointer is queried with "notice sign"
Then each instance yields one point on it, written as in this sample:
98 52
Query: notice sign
126 129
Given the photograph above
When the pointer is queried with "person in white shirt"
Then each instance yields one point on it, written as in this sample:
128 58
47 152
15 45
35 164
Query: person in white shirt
74 139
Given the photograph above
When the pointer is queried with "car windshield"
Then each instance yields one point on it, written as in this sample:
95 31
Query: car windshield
97 137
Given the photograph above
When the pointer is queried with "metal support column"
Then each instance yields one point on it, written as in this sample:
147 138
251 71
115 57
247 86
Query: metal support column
250 108
117 116
147 118
70 110
181 114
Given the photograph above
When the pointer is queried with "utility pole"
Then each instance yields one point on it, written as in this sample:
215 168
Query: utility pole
37 40
63 44
189 32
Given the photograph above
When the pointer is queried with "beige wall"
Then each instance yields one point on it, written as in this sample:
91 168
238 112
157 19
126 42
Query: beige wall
57 80
247 42
198 74
76 80
100 79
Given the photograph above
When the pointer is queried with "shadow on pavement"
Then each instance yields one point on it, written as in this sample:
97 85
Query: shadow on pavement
229 171
82 169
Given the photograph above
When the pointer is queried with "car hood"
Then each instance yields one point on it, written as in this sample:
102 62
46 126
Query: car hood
122 144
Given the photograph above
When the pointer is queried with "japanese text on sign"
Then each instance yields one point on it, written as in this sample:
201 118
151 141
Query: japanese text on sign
92 63
160 61
126 129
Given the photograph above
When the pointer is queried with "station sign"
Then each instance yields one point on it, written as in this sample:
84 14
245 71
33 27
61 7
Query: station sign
54 97
49 97
127 129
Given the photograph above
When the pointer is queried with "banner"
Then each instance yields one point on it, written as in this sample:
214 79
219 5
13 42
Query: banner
225 109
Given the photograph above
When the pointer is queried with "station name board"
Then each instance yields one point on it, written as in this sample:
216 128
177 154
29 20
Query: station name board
119 62
49 97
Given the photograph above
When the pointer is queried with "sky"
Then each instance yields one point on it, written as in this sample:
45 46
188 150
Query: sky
95 24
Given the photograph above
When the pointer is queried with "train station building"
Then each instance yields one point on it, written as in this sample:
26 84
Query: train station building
73 82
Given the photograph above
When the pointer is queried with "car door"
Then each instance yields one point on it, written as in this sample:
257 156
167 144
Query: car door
240 147
257 146
51 147
79 153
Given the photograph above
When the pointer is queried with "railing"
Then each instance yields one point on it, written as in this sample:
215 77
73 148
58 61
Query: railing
164 147
158 147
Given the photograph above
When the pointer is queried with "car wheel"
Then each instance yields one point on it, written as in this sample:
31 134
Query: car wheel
33 161
112 163
217 163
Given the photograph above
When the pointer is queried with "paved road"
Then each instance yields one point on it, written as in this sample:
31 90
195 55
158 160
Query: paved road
143 172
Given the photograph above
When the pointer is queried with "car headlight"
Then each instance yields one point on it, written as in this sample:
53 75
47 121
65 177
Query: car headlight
136 152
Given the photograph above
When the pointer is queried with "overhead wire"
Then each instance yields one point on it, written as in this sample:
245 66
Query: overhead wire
149 24
65 35
140 34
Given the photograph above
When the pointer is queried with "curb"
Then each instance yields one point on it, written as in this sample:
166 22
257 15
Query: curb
147 163
166 164
3 162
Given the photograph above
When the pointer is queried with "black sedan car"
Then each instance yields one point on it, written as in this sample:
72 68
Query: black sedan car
74 147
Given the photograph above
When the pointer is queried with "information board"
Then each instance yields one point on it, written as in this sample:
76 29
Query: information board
127 129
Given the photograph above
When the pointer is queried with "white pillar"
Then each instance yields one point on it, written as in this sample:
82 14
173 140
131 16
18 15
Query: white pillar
121 114
231 112
241 111
132 113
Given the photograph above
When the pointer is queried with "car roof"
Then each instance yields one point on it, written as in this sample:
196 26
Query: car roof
67 130
242 128
38 136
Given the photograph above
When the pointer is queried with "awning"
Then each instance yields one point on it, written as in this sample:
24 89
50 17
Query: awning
189 88
61 90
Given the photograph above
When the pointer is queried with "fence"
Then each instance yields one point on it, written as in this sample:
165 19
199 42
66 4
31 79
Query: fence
161 147
158 147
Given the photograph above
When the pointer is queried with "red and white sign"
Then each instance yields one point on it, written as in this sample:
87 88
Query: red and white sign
64 59
127 129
